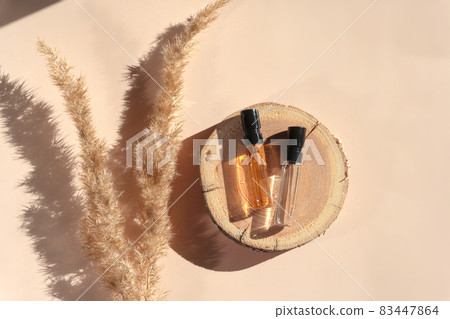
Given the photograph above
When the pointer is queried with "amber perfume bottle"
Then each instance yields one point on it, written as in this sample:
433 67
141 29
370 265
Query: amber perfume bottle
290 179
255 161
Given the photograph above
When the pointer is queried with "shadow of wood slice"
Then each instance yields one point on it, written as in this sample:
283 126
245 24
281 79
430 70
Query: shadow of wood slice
322 189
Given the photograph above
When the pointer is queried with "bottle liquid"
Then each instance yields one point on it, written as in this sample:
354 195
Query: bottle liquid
290 177
255 159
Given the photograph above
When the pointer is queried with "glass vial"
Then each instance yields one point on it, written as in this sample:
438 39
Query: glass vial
263 218
255 160
290 177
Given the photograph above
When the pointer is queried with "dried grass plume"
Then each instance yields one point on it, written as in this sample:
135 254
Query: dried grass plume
102 227
166 121
130 271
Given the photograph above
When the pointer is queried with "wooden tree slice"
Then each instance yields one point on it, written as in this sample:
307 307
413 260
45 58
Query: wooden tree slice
323 181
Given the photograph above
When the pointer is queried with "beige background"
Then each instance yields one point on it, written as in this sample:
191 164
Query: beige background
383 89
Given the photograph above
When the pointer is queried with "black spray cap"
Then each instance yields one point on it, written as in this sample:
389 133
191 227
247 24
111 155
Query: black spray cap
293 151
251 124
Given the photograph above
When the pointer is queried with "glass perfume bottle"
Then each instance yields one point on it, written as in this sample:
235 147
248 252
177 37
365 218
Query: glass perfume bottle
255 160
290 177
263 218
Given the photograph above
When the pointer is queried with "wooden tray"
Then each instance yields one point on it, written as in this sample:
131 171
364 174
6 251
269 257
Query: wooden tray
323 183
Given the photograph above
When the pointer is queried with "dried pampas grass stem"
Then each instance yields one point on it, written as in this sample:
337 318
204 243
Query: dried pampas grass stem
102 227
166 121
131 274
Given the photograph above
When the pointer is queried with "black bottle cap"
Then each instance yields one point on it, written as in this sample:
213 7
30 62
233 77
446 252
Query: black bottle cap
293 151
251 124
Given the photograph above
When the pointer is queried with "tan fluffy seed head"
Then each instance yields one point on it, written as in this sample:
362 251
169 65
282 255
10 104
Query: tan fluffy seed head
130 270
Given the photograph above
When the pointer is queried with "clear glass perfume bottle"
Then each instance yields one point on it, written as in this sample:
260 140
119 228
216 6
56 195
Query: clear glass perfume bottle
290 177
263 218
255 160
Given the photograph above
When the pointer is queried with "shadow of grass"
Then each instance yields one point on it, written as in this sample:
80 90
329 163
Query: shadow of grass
51 219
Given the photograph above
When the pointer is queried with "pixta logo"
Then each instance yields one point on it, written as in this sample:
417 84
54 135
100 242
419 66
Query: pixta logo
146 145
310 150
